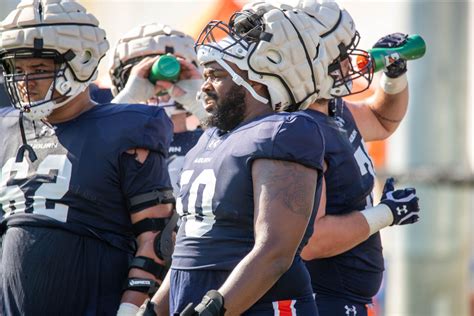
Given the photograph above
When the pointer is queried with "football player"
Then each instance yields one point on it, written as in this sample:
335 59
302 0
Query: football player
250 184
344 255
4 100
81 184
133 57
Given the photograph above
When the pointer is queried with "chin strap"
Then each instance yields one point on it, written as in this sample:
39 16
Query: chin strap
24 147
241 82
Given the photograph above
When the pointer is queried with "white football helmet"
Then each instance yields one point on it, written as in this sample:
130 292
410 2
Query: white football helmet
277 48
60 30
147 40
337 62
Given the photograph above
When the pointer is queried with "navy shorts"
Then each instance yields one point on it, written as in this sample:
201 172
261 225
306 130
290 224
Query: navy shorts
48 271
189 286
335 306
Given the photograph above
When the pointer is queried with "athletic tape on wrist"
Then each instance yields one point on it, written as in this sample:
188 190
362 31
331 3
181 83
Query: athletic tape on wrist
127 309
137 90
378 217
189 99
393 85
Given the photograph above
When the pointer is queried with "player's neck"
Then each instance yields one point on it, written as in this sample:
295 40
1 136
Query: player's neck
257 109
320 106
72 109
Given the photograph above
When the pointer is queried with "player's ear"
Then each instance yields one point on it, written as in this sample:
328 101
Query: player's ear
260 89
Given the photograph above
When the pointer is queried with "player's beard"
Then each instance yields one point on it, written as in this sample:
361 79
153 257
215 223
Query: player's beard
229 110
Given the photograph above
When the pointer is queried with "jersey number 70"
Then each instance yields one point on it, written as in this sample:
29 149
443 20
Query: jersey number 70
196 210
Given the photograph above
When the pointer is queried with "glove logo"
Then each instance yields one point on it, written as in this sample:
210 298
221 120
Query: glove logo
350 311
402 209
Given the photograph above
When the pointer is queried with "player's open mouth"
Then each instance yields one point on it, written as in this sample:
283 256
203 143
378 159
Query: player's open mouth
209 103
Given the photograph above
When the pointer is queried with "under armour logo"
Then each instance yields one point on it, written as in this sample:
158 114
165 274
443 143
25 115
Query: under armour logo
401 210
213 143
47 131
350 310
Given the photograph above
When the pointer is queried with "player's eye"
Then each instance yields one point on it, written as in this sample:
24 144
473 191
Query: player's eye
215 76
42 71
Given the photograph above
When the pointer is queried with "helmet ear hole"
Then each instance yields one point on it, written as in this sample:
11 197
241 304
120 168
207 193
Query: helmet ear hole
274 56
85 57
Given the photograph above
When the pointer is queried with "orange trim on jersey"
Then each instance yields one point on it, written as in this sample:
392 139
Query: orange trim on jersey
284 308
370 310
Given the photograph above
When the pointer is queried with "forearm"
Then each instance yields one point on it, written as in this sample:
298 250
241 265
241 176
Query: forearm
251 279
161 297
145 249
390 107
380 115
335 234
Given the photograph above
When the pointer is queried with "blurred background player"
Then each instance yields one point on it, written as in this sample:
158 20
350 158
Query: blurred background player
133 57
77 179
4 100
344 255
249 186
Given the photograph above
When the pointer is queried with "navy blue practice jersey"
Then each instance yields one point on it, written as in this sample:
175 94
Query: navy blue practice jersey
4 99
357 273
82 179
216 201
181 144
100 95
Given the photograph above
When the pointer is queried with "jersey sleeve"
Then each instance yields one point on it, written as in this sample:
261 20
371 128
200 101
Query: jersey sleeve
158 131
150 128
299 139
140 126
138 178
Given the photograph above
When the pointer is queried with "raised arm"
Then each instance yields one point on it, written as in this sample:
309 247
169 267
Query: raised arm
380 115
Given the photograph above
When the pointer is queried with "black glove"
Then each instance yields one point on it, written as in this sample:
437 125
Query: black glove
397 67
212 304
403 203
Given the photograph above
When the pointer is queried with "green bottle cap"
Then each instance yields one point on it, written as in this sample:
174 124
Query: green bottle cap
166 67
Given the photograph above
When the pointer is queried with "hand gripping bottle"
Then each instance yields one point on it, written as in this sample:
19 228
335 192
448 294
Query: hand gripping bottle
414 48
166 68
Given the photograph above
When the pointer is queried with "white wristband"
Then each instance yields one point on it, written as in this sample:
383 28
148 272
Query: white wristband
393 85
127 309
137 90
378 217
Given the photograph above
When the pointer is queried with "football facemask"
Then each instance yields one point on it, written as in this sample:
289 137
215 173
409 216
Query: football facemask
23 88
61 30
345 69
